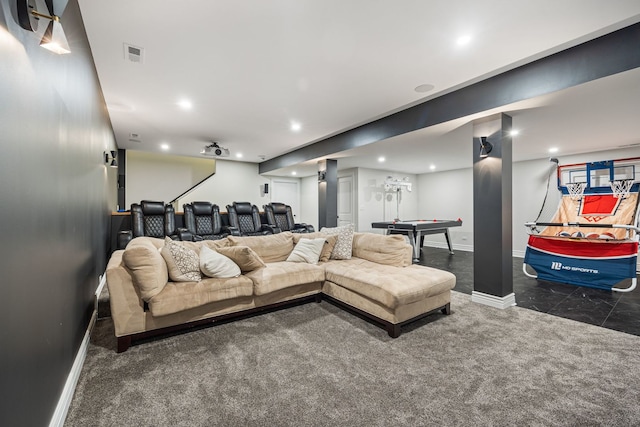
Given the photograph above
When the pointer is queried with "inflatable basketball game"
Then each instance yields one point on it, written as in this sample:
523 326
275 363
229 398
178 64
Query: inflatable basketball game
592 237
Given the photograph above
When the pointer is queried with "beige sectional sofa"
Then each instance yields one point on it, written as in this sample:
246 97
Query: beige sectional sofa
375 278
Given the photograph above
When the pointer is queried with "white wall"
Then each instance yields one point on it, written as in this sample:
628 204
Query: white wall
374 204
162 177
309 201
448 195
233 182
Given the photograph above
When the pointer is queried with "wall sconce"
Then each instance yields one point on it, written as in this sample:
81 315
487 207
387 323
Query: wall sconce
322 176
111 158
485 147
53 38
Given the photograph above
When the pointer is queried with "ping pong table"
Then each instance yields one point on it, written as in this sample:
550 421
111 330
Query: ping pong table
417 229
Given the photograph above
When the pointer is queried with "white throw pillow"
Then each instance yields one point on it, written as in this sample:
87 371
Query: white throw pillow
182 263
307 250
213 264
344 245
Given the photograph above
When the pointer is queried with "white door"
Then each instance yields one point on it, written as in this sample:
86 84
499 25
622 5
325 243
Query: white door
346 204
286 192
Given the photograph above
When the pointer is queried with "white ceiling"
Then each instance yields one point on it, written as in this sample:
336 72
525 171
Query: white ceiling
251 68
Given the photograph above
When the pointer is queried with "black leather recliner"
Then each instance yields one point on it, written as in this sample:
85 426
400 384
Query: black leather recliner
281 216
246 218
204 221
152 219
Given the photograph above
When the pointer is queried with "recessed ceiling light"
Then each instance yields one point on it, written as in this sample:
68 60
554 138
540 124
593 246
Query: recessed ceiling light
239 155
432 167
293 173
164 147
424 88
295 127
553 149
185 104
381 159
463 40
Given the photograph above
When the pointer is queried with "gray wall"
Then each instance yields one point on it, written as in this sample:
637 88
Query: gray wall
54 211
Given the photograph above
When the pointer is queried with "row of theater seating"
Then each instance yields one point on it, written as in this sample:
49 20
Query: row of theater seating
203 221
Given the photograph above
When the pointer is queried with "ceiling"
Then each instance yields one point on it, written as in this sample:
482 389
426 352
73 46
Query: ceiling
251 69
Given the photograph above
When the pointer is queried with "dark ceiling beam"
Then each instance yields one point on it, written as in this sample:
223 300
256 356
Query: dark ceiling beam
601 57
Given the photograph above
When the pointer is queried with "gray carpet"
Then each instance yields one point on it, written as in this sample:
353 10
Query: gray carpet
317 365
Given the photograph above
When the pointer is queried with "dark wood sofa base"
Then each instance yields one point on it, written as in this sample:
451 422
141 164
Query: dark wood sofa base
126 341
393 329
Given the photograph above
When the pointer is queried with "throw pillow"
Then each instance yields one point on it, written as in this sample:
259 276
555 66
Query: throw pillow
307 250
329 244
271 248
344 244
147 267
244 256
213 264
183 263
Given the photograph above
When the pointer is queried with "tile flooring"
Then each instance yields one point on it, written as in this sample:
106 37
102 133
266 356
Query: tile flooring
613 310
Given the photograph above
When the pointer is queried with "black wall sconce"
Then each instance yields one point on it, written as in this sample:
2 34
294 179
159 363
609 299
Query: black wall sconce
111 158
485 147
54 38
322 176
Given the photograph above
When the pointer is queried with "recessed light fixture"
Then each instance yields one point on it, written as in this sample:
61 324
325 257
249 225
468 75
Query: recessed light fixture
514 132
295 127
185 104
239 155
381 159
553 149
164 147
424 88
294 173
463 40
432 167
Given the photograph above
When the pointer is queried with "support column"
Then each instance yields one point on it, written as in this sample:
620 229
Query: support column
327 193
492 214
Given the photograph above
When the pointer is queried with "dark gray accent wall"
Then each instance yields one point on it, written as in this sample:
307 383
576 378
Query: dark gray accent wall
328 193
604 56
54 211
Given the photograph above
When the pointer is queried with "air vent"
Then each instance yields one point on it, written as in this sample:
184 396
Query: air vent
135 137
133 54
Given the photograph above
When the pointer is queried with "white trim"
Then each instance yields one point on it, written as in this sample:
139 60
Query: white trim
443 245
102 282
494 301
64 402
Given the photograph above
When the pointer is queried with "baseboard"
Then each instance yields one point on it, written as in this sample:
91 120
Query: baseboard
493 300
64 402
456 247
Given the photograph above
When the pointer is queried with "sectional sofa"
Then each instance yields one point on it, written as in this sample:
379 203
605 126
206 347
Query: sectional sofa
157 286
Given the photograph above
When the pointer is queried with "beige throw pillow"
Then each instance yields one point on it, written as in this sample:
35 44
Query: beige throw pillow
307 250
270 248
213 264
329 244
244 256
183 263
344 244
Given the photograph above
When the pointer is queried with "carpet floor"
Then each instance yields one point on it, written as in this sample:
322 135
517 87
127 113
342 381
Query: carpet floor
317 365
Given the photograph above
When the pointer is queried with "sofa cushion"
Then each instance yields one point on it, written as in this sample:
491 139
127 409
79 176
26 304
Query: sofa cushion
179 296
307 250
148 269
389 250
243 256
271 248
214 264
280 275
343 247
182 262
388 285
327 249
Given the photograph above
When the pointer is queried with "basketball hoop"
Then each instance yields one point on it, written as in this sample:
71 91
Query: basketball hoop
576 189
621 187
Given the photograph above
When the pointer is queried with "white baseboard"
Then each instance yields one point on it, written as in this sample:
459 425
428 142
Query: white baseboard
468 248
493 300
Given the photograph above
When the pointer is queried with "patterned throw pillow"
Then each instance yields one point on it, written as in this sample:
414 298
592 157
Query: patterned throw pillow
343 247
183 263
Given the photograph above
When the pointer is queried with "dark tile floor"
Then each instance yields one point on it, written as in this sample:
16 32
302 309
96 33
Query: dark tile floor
613 310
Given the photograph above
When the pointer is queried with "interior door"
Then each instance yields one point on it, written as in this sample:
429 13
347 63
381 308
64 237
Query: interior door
286 192
346 204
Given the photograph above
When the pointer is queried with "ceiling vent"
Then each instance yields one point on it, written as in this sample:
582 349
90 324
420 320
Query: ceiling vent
133 54
135 137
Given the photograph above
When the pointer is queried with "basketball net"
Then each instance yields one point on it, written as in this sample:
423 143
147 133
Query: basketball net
576 189
621 187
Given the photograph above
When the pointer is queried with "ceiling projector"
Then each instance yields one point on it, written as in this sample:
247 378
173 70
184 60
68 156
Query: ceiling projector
215 150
